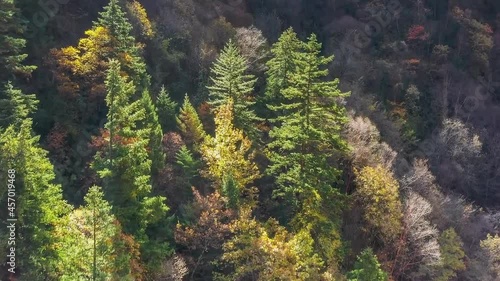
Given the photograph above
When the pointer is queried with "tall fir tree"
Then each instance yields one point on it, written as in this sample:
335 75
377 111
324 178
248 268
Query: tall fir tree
229 80
152 124
167 109
190 125
115 20
16 106
229 154
90 241
281 65
306 133
367 268
124 164
12 43
39 202
305 144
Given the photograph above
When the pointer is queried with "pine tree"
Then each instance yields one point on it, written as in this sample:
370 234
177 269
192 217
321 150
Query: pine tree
12 43
39 202
89 242
282 65
367 268
231 191
152 124
124 163
229 153
230 81
188 163
114 19
189 124
306 133
166 110
305 144
16 107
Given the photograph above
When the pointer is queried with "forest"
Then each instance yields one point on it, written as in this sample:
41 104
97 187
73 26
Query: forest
245 140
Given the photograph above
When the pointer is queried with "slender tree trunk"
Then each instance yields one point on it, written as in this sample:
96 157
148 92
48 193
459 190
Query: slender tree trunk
95 248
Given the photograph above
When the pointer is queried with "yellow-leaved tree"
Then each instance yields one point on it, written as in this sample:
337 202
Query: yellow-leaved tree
229 155
378 193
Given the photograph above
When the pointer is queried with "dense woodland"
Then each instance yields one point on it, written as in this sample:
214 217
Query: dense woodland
250 139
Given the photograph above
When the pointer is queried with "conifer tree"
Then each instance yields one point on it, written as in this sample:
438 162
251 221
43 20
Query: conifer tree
39 203
230 81
306 133
228 154
188 163
166 110
90 239
12 43
189 124
305 143
16 107
281 66
114 19
124 163
152 124
367 268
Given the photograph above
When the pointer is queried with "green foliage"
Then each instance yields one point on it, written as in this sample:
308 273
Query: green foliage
229 153
231 191
367 268
230 81
114 19
305 142
378 193
268 253
189 124
166 109
281 65
452 256
190 165
491 247
307 130
12 43
39 203
89 240
123 160
16 107
152 124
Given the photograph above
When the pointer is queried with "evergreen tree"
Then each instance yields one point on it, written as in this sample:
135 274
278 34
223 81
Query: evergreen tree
230 81
16 107
39 203
228 153
189 124
188 163
281 66
231 191
306 133
124 163
152 124
89 242
12 43
367 268
305 144
114 19
166 110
